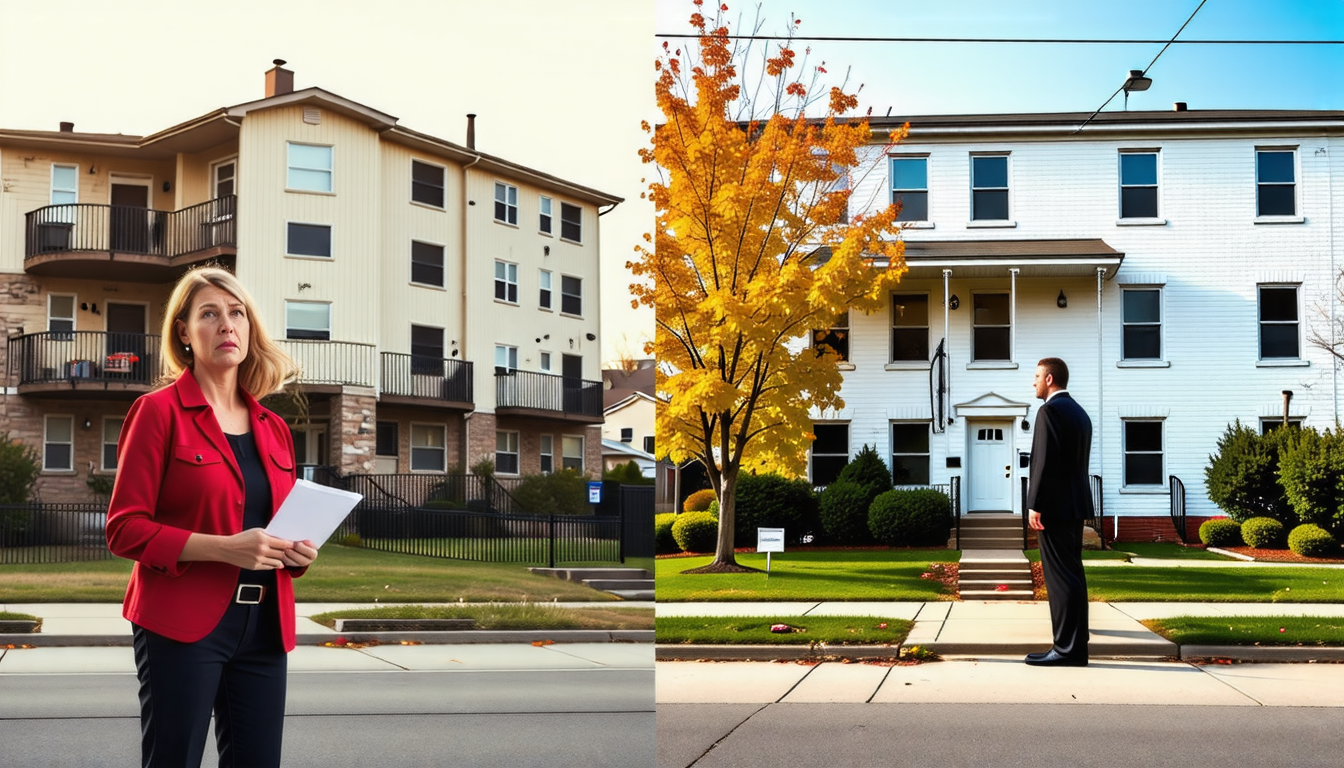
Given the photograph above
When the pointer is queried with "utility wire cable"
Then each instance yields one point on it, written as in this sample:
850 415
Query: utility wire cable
1032 40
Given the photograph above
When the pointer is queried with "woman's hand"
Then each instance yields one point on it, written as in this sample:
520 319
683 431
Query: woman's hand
301 555
253 549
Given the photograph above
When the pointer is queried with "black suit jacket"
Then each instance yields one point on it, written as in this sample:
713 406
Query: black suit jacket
1059 487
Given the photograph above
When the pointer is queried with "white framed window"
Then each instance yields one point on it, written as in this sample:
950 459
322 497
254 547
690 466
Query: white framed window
111 434
1268 425
58 443
909 327
829 453
544 289
506 452
571 222
1276 182
648 445
308 239
64 184
427 264
571 295
627 434
571 448
1141 319
544 362
1280 329
989 187
506 358
910 452
308 320
429 451
910 187
1138 185
1143 440
506 282
506 203
990 326
546 453
61 314
427 183
224 177
310 168
835 338
544 223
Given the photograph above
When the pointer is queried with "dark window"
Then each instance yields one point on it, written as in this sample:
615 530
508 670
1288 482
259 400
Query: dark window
1142 324
1275 183
544 215
648 444
309 240
1138 185
1143 453
627 434
571 222
386 439
989 188
427 183
506 282
991 329
506 203
544 290
506 453
830 452
571 295
1269 425
910 328
1278 322
910 187
426 350
427 264
835 338
910 453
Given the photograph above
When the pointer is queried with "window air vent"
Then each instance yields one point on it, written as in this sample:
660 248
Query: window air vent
312 115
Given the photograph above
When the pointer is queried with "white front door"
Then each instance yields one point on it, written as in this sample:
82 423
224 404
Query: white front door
991 470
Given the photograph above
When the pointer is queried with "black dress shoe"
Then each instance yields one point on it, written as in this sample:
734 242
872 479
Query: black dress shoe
1053 658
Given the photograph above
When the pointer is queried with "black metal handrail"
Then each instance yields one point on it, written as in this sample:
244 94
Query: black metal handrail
548 392
332 362
84 356
954 501
1026 529
1098 519
1178 506
426 377
131 229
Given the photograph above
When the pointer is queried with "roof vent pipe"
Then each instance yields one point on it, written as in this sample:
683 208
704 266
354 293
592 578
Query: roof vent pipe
471 131
67 127
1178 106
279 81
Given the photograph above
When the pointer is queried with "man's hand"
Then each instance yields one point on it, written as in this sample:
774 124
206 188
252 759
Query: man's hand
1034 520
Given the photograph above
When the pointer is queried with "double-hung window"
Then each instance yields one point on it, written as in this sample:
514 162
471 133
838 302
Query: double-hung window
506 359
64 185
991 337
1142 321
546 454
111 434
1275 182
830 452
429 451
835 338
310 168
506 203
58 444
427 183
544 222
571 222
910 187
910 452
427 264
1143 452
308 239
544 289
1280 336
308 320
506 452
571 448
989 187
1138 185
506 282
60 316
910 327
571 295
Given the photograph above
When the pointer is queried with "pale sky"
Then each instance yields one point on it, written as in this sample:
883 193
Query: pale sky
556 86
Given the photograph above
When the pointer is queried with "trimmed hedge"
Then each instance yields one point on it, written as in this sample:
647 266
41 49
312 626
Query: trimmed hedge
1220 532
843 509
663 542
867 468
910 518
699 501
1243 476
558 493
1263 533
696 532
1311 468
772 501
1310 540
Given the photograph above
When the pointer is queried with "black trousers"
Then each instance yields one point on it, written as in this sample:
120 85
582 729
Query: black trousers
238 671
1065 583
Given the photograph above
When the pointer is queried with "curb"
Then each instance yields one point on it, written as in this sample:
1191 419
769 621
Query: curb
1262 653
391 638
819 652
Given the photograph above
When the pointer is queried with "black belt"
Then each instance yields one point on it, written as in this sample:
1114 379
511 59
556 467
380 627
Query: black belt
250 594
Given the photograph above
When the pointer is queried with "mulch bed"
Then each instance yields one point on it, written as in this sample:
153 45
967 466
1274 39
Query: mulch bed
806 548
1280 555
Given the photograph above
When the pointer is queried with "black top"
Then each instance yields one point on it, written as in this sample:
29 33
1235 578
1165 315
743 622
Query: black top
257 499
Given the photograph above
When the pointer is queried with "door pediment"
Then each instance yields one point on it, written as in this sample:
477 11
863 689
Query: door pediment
990 405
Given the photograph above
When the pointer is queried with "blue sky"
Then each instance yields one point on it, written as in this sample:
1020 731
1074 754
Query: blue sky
962 78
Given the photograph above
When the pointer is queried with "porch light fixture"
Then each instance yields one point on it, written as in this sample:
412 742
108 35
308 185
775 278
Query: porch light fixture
953 302
1026 425
88 423
1062 301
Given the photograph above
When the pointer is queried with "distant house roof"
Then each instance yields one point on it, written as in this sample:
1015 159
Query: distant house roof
617 448
975 258
1066 123
618 384
627 400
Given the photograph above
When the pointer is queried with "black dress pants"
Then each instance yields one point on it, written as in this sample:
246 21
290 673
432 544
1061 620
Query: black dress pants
238 671
1066 585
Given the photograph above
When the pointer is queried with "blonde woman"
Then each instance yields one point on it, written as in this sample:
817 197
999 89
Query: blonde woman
202 467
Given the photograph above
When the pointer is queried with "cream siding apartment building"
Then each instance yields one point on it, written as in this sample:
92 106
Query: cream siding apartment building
441 302
1180 262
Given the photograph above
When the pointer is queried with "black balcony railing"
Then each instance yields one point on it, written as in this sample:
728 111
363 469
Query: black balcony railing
548 392
430 378
334 363
131 229
84 357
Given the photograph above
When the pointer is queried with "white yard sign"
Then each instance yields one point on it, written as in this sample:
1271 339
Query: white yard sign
769 540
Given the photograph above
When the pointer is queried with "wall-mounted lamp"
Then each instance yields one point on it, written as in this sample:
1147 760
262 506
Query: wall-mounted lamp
305 286
167 186
94 309
1026 425
93 170
88 423
546 250
591 336
953 302
1062 301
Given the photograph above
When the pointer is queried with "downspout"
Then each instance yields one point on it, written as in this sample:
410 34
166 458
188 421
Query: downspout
1100 424
947 356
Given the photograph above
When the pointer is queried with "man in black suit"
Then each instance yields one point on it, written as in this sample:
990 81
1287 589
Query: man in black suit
1059 498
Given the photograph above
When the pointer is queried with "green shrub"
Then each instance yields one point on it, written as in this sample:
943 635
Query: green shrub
1243 476
663 542
559 493
910 518
714 509
699 501
772 501
1220 532
867 468
628 473
19 468
1311 469
696 532
1310 540
1263 533
843 509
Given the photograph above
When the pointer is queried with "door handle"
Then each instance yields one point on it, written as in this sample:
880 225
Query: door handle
1008 470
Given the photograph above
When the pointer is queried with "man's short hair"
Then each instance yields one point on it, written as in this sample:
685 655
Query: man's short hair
1057 369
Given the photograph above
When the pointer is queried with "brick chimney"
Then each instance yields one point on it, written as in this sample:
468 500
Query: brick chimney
471 131
279 80
67 127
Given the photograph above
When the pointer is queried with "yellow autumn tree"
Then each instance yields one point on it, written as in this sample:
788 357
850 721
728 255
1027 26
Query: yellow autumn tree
752 250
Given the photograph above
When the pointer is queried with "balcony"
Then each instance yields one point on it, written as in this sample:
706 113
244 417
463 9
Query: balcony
327 366
426 381
128 243
84 363
547 396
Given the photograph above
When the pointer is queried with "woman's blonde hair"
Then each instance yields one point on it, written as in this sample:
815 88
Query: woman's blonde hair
267 367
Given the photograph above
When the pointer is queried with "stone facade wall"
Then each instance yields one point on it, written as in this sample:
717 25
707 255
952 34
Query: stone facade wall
353 431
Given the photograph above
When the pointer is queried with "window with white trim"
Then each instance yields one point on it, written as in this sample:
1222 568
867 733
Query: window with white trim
544 222
506 282
546 454
506 203
627 434
1141 318
1143 452
571 295
835 338
1268 425
506 359
64 184
64 191
571 448
310 168
910 452
544 289
427 264
1138 185
224 177
1275 182
910 187
648 444
571 222
111 434
1280 329
58 443
506 452
829 453
308 320
544 362
989 187
61 314
429 448
427 183
991 331
909 327
308 239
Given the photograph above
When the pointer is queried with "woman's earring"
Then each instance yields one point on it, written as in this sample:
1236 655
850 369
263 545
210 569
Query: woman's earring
187 347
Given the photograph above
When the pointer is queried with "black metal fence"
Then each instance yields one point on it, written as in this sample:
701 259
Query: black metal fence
548 392
472 493
131 229
426 377
1098 519
52 533
84 356
1178 506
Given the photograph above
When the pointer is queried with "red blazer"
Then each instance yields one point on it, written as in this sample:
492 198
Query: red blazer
176 475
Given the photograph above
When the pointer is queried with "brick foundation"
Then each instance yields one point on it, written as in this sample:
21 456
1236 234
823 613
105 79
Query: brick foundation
1146 529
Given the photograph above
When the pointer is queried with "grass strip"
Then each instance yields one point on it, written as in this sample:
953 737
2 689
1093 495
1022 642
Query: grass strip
755 630
1169 551
1215 585
506 616
1251 630
895 574
1034 555
11 616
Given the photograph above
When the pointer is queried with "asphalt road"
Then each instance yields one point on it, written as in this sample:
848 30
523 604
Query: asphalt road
562 718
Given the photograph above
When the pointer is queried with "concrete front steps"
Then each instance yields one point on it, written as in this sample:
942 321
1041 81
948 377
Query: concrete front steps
993 566
625 583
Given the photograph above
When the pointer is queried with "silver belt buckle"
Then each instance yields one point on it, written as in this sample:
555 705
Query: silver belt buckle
250 594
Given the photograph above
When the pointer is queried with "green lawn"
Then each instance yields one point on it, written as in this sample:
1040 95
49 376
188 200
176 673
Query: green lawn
1251 630
523 550
507 616
843 575
1034 555
1216 585
1169 551
754 630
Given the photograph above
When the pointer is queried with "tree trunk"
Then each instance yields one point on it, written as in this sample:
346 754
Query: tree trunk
725 560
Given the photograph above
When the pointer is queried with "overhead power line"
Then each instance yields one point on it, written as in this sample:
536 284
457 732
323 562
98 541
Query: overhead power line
1033 40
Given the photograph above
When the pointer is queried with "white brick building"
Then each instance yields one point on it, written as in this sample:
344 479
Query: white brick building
1179 262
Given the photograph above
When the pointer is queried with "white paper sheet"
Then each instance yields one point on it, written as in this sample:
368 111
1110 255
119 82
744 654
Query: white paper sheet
312 512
